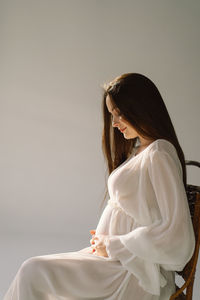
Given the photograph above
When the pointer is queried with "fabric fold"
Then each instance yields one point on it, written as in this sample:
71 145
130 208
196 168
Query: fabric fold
147 273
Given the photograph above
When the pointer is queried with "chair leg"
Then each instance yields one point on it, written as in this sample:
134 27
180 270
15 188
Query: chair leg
189 290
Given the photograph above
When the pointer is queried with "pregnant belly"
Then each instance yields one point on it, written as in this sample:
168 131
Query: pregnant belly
114 220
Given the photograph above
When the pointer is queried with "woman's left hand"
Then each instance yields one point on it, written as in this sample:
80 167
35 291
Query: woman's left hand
98 245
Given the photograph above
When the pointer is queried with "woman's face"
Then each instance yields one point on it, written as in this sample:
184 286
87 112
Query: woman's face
117 121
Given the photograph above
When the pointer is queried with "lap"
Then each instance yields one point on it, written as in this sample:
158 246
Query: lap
73 273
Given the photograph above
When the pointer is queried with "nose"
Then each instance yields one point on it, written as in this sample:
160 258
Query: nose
115 121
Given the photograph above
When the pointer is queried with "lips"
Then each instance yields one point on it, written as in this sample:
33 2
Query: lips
122 129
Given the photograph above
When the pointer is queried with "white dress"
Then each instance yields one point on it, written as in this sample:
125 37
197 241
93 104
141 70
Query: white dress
149 235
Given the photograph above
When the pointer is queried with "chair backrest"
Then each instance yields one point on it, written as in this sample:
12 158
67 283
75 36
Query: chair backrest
188 273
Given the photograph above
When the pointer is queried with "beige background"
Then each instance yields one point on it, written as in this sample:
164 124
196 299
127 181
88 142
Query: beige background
54 57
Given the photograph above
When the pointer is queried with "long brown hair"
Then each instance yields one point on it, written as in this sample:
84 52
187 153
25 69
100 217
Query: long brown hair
141 104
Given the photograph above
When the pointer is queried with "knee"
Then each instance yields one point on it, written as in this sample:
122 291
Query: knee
30 267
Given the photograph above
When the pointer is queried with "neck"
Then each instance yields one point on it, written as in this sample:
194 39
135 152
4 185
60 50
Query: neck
143 143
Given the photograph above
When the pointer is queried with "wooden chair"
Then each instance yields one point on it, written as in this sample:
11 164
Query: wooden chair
188 273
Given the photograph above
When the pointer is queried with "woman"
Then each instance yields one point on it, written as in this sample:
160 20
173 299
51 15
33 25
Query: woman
145 231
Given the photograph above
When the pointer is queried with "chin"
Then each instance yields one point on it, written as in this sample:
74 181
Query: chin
127 137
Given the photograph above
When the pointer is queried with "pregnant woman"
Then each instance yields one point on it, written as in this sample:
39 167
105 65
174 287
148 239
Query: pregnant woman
145 232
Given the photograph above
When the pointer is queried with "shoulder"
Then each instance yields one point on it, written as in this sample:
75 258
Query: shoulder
162 145
163 153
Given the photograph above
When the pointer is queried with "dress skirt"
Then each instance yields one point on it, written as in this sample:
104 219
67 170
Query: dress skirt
76 276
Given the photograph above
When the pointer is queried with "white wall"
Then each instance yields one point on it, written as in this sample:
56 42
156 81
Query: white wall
55 55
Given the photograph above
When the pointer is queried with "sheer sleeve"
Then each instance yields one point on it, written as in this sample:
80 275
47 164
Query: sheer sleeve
169 241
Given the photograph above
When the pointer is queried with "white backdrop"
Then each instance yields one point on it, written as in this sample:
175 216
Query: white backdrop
55 56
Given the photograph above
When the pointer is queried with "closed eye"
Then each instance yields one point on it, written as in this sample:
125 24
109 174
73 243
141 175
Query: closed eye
116 115
117 112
